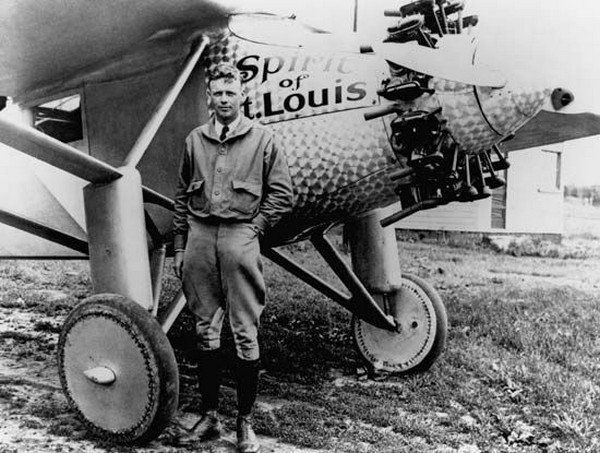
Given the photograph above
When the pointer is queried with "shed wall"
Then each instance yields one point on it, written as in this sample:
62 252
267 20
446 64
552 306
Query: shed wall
534 200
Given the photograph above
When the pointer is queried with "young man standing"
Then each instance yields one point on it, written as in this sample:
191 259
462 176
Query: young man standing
234 183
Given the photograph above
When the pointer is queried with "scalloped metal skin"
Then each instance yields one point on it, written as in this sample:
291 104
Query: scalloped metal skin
339 162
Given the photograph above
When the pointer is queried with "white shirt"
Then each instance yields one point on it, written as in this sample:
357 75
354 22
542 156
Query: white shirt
231 126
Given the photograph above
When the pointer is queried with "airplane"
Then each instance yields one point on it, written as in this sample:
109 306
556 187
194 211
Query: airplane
111 89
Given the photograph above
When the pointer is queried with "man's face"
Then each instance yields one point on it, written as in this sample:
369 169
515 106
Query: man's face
226 97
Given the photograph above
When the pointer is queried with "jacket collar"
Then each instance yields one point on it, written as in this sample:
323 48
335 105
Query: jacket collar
242 128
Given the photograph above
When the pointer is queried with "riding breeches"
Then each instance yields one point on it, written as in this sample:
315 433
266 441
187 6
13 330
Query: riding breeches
222 273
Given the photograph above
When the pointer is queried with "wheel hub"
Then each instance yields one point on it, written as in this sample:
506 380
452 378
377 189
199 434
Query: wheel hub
100 375
414 341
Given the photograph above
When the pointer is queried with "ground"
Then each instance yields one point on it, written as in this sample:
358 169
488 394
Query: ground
520 372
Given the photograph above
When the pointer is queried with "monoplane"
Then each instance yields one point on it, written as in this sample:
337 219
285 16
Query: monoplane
111 89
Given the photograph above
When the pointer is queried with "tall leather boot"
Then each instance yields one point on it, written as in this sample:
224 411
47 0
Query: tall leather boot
210 364
246 373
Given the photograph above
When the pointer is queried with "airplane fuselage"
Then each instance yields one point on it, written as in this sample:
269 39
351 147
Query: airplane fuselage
341 164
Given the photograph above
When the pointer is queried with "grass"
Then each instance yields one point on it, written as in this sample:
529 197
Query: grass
35 285
528 246
521 372
529 362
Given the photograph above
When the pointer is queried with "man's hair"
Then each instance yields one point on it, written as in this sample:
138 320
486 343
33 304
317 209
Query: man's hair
225 71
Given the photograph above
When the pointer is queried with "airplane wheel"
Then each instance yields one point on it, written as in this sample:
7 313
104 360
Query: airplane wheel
422 336
117 369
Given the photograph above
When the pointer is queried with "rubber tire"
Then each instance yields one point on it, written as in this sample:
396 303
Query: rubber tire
441 330
146 330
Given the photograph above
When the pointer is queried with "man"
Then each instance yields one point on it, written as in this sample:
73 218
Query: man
234 183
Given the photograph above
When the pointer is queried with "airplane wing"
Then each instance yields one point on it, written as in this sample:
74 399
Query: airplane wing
50 47
553 127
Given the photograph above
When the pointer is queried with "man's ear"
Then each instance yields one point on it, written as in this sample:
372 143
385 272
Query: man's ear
208 98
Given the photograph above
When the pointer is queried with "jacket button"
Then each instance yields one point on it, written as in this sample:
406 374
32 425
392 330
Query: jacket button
219 170
217 193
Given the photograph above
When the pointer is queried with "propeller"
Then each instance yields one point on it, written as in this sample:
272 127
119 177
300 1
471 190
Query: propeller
442 63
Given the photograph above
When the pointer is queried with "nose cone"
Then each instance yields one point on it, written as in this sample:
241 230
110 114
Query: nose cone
506 110
561 98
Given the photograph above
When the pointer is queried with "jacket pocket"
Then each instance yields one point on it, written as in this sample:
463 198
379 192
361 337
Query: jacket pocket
196 198
246 196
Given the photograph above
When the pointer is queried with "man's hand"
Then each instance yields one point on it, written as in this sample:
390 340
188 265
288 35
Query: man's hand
178 264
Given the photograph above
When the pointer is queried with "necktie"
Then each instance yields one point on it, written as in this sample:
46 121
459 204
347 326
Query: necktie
224 133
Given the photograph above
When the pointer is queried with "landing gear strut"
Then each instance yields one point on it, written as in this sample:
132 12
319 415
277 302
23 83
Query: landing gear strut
116 365
399 321
416 307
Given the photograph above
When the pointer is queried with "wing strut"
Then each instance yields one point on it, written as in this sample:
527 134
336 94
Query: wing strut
36 144
119 260
158 116
44 231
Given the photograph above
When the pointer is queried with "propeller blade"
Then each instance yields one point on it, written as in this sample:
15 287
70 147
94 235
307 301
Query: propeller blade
441 63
